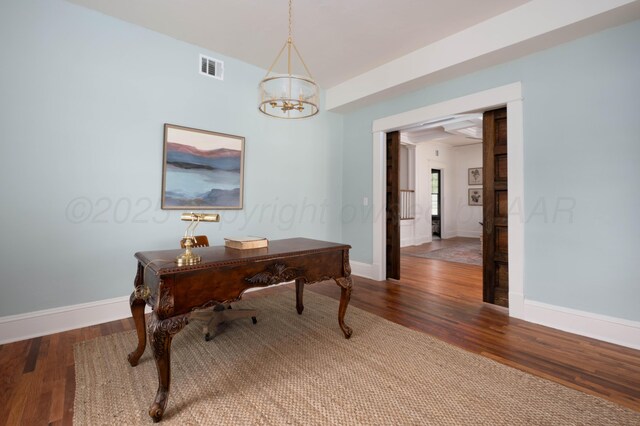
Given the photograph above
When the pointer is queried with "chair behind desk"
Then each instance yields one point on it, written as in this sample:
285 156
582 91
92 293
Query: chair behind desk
221 313
199 241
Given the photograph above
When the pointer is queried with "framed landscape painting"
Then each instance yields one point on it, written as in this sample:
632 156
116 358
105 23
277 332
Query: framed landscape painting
201 169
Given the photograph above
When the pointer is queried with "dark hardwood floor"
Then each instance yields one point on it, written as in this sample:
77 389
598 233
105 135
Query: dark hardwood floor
435 297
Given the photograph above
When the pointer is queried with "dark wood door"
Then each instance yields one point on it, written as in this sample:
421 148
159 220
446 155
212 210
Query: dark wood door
393 205
495 207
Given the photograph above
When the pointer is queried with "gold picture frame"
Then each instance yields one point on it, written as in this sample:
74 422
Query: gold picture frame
202 170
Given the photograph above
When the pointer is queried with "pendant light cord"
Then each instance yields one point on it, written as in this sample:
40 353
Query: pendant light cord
290 19
287 45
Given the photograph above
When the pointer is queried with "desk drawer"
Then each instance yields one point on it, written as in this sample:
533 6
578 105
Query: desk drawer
194 289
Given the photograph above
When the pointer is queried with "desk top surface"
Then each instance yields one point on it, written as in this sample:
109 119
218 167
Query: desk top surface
163 261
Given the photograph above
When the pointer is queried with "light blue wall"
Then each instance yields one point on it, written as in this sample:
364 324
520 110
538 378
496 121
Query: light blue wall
581 145
83 100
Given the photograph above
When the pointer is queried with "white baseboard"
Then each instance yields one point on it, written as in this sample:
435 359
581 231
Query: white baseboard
40 323
469 234
602 327
407 231
366 270
421 239
56 320
406 242
49 321
516 304
445 235
415 241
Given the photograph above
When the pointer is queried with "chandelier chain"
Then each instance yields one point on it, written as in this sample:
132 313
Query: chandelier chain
290 19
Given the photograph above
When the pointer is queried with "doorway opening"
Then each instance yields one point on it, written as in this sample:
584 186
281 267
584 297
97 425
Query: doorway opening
436 203
510 96
446 227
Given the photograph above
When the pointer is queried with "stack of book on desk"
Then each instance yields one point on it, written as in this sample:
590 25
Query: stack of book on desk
245 243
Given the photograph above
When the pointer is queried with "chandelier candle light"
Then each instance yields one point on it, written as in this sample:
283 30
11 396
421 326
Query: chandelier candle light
288 95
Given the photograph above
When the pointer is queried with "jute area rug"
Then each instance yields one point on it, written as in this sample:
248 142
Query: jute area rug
299 370
468 252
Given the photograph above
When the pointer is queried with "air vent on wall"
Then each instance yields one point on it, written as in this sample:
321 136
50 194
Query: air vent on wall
211 67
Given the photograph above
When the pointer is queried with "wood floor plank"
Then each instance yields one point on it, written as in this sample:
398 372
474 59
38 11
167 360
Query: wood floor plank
13 358
32 356
69 392
56 408
436 297
20 398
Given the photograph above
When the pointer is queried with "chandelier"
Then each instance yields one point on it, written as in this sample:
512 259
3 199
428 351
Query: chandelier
288 95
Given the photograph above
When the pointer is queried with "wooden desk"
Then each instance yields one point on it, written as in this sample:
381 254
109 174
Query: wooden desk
224 274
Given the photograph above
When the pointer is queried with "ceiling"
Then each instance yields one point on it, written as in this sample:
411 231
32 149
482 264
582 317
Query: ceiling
455 130
338 39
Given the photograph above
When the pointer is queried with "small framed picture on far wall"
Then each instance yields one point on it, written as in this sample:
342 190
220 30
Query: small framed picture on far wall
475 176
475 196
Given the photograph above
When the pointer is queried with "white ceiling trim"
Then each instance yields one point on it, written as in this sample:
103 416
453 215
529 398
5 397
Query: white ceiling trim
481 101
493 41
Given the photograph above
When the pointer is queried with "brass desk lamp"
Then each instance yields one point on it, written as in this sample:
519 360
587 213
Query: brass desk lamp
188 257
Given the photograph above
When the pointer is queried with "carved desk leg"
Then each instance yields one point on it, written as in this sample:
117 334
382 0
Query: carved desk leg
137 304
160 334
299 292
345 284
137 311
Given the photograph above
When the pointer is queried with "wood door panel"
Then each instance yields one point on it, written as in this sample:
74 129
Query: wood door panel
502 240
501 245
393 206
501 297
501 168
501 132
502 284
502 207
495 254
502 274
501 222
